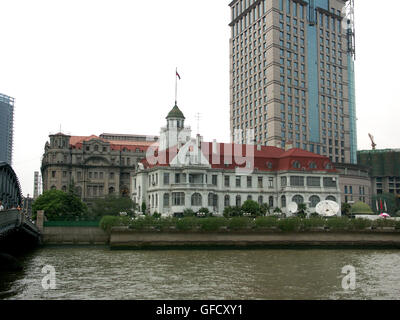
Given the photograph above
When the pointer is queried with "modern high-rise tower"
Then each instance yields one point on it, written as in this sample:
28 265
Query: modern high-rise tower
6 128
292 75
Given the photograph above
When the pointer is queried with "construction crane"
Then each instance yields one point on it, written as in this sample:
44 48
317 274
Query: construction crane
373 144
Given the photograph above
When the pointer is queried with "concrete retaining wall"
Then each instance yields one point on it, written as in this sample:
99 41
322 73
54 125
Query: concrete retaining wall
123 238
74 235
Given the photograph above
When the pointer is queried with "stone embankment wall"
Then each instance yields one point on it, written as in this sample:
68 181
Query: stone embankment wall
74 235
70 234
121 238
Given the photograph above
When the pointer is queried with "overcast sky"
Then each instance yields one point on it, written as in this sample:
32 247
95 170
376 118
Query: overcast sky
95 66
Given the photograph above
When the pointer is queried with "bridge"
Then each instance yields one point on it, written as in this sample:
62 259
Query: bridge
17 231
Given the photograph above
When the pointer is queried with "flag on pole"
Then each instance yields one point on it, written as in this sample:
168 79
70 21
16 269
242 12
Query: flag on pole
385 207
380 200
177 74
377 207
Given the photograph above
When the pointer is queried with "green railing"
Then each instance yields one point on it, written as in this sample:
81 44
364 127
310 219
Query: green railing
71 223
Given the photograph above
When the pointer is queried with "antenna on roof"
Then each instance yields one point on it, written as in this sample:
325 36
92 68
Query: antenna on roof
198 116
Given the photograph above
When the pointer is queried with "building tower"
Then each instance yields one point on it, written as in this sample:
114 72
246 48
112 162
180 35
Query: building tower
292 75
6 128
175 133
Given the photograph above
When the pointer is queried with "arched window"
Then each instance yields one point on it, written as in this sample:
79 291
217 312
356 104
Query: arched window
238 201
283 202
227 201
53 188
296 164
314 200
331 198
260 200
271 201
111 190
312 165
298 199
196 199
328 166
64 188
249 198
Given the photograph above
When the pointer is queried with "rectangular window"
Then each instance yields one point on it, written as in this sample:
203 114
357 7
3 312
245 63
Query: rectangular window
178 199
331 183
313 181
249 182
238 181
226 181
177 178
166 178
296 181
270 183
260 182
214 180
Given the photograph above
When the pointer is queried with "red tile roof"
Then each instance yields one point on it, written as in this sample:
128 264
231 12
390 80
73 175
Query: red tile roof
266 159
76 142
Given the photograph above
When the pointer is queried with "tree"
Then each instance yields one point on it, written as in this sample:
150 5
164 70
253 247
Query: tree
189 213
265 208
302 210
144 207
112 205
232 212
204 211
346 209
252 207
59 205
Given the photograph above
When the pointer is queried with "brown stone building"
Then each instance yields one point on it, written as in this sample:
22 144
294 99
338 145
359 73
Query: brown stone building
96 166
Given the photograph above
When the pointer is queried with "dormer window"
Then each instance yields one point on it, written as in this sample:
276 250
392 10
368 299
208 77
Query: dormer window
313 165
296 164
328 166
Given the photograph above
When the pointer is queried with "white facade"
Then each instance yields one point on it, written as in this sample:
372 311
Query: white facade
187 180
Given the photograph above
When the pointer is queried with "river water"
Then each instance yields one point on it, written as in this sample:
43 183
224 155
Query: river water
99 273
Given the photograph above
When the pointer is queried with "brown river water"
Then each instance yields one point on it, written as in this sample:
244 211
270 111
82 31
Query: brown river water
98 273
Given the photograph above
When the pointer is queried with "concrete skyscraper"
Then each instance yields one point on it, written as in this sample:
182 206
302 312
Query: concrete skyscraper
6 128
292 75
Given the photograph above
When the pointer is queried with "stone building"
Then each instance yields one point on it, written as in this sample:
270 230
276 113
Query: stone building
96 166
189 173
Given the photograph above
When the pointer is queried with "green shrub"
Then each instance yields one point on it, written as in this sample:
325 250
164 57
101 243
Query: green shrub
189 213
156 215
237 223
360 224
212 224
379 223
187 223
289 224
314 222
205 212
107 222
232 212
266 222
338 223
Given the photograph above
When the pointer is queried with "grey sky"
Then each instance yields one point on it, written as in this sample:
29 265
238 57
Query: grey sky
95 66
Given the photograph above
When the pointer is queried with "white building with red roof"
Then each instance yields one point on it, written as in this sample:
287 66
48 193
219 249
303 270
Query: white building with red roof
187 173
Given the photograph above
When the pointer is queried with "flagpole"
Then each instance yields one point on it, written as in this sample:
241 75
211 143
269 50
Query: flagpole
176 86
